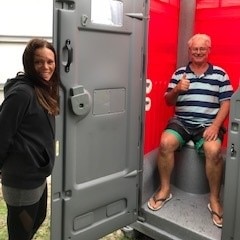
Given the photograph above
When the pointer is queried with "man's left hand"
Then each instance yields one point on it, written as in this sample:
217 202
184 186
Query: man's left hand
211 133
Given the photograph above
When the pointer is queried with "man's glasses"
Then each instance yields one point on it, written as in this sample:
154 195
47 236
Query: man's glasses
201 50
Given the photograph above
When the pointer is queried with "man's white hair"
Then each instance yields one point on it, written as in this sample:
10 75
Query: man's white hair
198 37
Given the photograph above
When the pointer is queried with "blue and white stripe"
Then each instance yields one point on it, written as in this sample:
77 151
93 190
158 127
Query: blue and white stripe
200 104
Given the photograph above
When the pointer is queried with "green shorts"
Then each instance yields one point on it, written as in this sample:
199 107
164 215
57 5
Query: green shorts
185 134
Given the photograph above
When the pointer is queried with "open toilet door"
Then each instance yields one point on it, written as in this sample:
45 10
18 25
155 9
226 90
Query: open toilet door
101 51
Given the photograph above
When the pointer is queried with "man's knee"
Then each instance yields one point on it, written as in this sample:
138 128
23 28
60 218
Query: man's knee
168 142
212 151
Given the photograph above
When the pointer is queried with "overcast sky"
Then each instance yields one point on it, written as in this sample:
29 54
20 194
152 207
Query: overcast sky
26 17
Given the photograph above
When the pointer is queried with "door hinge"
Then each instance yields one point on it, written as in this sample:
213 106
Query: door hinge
138 16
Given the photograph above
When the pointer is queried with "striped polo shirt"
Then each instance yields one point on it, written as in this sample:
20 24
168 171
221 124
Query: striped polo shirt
200 104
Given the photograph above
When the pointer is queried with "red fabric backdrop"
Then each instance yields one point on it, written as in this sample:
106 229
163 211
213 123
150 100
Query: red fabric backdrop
162 52
218 18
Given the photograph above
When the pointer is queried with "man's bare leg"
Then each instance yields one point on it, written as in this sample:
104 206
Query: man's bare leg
168 145
214 171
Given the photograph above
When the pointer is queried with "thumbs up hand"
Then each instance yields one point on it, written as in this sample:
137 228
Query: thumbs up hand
183 84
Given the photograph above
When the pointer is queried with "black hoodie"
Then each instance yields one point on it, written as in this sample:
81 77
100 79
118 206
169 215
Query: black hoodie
26 136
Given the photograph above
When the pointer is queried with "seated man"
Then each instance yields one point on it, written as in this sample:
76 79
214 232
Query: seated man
201 94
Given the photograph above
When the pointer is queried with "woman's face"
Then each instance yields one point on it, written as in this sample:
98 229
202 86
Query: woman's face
44 63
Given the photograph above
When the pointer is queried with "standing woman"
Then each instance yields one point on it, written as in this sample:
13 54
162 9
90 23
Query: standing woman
27 132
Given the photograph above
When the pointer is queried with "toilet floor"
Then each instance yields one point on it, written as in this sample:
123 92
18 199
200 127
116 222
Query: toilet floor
186 215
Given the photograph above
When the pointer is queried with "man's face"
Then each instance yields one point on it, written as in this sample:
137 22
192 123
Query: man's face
199 52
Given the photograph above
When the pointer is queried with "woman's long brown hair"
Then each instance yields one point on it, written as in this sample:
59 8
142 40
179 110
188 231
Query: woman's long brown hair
47 92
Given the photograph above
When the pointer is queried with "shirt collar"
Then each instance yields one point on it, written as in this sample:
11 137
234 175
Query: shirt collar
209 70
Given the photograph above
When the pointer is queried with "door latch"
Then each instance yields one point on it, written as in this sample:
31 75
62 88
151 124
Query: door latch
80 101
232 151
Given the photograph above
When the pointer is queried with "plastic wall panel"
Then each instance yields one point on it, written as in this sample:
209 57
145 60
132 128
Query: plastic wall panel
162 57
222 22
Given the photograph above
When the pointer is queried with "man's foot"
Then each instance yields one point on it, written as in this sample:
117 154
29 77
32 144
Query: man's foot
217 214
158 200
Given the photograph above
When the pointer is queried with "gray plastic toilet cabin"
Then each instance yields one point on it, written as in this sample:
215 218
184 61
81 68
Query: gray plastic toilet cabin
101 180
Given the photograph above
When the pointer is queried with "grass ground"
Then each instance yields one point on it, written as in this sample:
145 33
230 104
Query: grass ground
44 231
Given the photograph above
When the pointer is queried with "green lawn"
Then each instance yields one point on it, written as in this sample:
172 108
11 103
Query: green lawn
3 232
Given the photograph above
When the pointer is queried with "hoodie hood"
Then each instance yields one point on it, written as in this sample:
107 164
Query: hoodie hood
13 82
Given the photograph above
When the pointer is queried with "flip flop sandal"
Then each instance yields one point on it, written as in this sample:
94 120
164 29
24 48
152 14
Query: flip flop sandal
163 200
216 214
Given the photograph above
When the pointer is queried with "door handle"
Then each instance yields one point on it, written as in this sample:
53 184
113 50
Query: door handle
67 48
